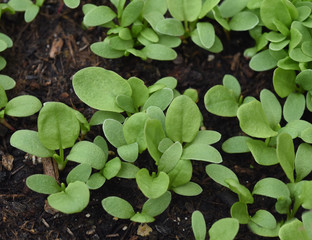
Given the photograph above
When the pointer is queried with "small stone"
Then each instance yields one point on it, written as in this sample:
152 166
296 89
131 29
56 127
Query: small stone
125 228
7 161
144 230
210 57
88 215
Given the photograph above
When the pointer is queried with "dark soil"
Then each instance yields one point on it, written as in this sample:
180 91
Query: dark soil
22 214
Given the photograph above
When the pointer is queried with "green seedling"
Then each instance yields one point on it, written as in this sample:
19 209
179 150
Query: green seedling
172 146
31 9
235 15
223 229
258 119
289 197
140 28
68 199
58 128
21 106
130 30
122 209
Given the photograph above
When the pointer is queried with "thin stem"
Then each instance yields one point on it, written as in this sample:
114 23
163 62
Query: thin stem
6 124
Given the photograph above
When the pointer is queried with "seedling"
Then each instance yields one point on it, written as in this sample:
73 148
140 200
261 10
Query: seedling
58 128
68 199
122 209
290 197
21 106
140 28
31 9
225 228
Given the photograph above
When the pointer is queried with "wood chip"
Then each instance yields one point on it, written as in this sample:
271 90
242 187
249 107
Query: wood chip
7 161
56 48
144 230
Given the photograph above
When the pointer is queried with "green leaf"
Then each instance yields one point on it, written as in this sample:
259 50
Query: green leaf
237 144
169 82
253 121
263 154
243 193
72 3
286 154
142 218
171 27
192 93
221 101
23 106
96 181
294 107
264 219
297 55
230 8
243 21
262 61
152 5
131 12
126 103
3 99
3 45
231 83
156 206
7 40
284 81
305 195
112 168
207 7
206 33
271 106
103 49
181 174
306 135
303 79
201 152
206 137
265 232
72 200
154 133
164 144
58 126
198 225
183 119
28 141
81 173
220 174
169 41
170 157
129 152
88 153
105 85
280 13
113 131
184 10
43 184
20 5
3 64
159 52
307 220
188 189
117 43
239 211
99 117
152 186
156 113
98 16
100 141
161 98
271 187
133 130
303 166
293 230
224 229
118 207
127 170
139 91
31 12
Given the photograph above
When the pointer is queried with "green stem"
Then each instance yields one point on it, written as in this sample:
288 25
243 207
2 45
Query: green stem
186 28
293 212
62 162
